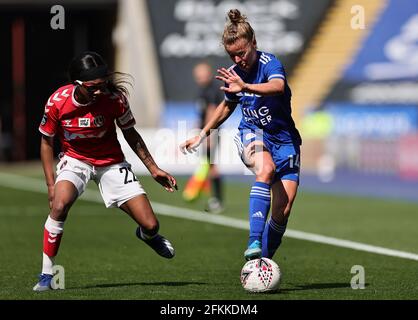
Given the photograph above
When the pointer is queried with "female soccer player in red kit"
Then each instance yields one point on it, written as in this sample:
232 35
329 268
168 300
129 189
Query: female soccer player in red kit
83 115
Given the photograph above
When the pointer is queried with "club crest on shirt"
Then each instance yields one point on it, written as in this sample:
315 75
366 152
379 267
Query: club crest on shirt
67 123
84 122
98 121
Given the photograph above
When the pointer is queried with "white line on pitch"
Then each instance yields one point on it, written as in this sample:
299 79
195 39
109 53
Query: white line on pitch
37 185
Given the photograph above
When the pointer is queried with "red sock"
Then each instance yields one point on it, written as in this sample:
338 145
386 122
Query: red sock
51 243
52 236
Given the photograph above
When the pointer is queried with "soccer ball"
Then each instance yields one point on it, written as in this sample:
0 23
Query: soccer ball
260 275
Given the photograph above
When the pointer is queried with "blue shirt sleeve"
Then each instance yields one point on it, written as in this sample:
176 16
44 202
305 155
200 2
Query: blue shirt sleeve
274 69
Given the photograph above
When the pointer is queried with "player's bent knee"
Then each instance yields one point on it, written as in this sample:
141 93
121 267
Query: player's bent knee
287 209
59 210
266 173
282 207
281 214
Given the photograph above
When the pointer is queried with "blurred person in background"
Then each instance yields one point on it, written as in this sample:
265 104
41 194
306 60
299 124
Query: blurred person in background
209 96
268 141
83 115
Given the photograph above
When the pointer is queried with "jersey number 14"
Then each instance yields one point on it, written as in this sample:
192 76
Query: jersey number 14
294 161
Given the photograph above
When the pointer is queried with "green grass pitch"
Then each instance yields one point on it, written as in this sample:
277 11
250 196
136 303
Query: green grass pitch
104 260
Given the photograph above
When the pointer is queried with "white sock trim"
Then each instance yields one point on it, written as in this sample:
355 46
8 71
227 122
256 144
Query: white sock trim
54 226
47 264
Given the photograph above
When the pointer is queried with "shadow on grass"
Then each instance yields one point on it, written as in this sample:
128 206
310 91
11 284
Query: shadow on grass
319 286
126 284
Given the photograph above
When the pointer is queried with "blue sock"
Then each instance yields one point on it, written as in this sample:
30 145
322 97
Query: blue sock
258 209
272 238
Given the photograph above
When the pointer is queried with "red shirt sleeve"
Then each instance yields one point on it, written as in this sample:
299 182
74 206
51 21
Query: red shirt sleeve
49 123
125 118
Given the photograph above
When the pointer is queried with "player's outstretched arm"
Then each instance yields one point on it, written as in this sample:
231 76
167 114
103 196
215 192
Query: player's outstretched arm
272 87
221 113
138 145
47 158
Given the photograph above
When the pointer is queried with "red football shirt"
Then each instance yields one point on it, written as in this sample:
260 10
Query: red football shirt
87 132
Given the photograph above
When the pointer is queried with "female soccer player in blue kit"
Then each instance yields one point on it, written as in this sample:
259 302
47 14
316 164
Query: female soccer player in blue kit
268 141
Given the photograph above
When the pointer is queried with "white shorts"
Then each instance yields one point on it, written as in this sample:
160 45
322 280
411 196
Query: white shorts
117 183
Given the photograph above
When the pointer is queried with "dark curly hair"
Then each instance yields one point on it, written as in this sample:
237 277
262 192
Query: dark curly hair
90 65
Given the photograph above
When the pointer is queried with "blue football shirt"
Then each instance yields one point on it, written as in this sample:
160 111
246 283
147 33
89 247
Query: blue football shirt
272 114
